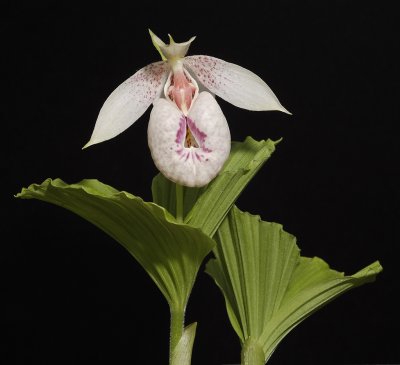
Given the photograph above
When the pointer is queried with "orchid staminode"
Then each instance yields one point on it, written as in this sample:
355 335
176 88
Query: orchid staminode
188 134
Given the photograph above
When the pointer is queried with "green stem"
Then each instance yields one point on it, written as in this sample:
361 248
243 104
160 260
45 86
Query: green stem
179 202
252 353
176 330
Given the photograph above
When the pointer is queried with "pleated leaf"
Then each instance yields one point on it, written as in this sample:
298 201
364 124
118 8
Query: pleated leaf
268 287
312 286
206 207
171 253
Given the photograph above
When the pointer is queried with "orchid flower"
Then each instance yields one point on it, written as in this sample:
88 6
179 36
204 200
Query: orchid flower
188 134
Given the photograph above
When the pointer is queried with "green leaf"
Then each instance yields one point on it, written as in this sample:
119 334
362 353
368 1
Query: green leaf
253 266
171 253
182 353
313 285
206 207
268 287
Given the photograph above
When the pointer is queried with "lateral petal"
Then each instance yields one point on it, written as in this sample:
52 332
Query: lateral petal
129 101
234 83
189 150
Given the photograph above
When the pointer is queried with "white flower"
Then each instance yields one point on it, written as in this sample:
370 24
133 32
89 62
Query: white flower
188 134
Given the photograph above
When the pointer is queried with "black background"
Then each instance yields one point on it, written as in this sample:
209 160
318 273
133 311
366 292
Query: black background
71 295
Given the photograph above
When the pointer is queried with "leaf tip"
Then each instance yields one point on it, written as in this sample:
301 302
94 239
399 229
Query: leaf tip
370 272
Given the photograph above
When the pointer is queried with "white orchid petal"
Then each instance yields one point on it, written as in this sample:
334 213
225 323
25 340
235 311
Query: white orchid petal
193 163
234 83
129 101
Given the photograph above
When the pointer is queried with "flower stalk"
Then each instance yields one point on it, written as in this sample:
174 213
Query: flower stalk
252 353
176 331
179 203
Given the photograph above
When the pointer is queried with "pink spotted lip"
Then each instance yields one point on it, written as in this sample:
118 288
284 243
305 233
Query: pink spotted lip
189 150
